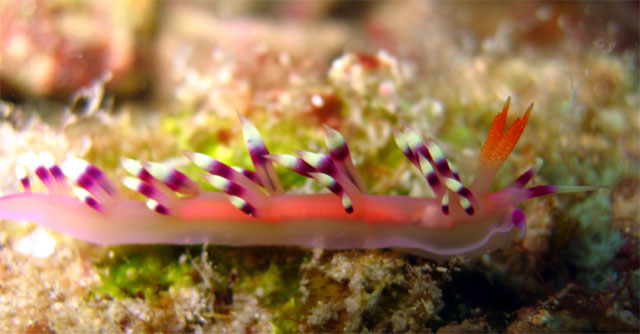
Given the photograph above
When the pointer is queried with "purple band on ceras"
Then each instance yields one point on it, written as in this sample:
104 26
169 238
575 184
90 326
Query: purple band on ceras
158 207
217 168
430 175
21 174
93 203
292 163
319 161
251 175
338 149
26 184
258 150
401 141
90 179
172 178
45 176
102 180
335 188
440 160
58 177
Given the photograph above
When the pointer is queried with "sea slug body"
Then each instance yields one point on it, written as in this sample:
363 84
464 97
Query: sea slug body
253 209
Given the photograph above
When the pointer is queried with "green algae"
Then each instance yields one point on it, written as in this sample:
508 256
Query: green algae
274 279
150 272
143 271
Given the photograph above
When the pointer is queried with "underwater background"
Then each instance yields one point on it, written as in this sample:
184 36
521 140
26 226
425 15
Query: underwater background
102 80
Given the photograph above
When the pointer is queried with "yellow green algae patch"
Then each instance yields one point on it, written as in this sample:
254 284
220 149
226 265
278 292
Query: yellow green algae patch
143 271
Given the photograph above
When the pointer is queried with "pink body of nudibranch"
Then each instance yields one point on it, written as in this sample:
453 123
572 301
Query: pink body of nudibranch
460 220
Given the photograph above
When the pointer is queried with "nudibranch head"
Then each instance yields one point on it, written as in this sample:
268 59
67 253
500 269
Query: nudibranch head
252 208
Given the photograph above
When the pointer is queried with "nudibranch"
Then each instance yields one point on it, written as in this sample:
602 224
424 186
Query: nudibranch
253 209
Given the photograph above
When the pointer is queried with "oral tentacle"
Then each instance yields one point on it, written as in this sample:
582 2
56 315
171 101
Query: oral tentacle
524 178
537 191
